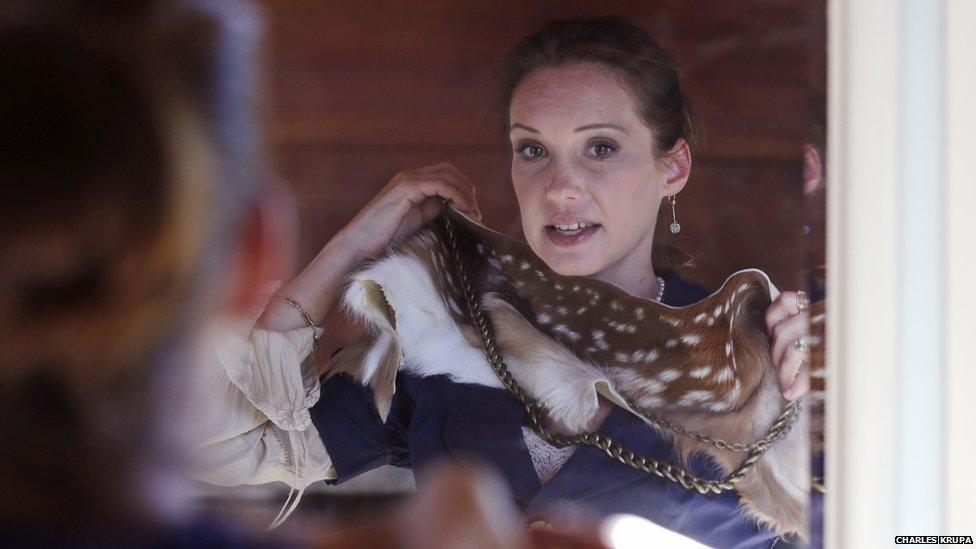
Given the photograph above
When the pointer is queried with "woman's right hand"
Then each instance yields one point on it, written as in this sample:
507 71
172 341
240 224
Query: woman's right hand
409 200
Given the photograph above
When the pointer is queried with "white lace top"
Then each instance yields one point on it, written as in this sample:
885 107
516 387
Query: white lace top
546 458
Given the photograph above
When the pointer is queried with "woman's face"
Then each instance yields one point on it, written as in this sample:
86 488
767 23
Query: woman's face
581 154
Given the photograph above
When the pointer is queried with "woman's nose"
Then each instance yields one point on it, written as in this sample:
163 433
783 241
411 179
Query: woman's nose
563 186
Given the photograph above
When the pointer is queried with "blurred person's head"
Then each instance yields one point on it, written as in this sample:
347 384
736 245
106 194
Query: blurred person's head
133 206
601 134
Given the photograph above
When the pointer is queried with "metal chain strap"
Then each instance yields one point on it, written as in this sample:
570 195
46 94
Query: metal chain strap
537 414
790 414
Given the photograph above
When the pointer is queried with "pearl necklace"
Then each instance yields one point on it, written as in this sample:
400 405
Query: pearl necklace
660 291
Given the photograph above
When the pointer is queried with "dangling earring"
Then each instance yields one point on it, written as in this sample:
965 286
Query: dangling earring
675 226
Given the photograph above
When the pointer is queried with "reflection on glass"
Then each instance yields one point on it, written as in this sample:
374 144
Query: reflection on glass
632 209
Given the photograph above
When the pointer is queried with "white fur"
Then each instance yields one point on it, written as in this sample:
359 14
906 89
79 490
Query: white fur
433 344
431 341
376 354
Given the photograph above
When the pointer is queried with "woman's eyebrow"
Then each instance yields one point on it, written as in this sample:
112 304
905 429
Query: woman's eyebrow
579 129
601 126
524 127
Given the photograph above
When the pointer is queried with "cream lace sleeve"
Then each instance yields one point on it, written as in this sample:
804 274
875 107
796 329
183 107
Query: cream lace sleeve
250 422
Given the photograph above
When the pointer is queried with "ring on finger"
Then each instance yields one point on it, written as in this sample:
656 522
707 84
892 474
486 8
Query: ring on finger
802 301
801 344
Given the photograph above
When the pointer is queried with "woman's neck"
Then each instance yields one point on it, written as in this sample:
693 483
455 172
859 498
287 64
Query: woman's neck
633 273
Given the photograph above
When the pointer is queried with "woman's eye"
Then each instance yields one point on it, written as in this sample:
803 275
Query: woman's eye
530 151
602 150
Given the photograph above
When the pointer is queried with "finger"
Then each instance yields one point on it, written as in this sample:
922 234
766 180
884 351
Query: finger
451 168
447 167
434 172
802 383
443 187
444 170
450 177
430 208
787 304
789 368
786 333
431 168
452 174
418 190
790 301
409 224
776 313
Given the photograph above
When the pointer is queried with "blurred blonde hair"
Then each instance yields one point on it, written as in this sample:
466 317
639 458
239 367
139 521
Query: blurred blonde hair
130 152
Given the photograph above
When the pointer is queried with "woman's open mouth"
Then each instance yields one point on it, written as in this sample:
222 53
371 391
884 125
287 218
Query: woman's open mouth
571 235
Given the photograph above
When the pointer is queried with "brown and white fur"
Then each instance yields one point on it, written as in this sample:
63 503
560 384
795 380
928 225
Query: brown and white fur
566 339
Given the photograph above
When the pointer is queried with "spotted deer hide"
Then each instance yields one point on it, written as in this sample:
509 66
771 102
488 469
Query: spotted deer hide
566 339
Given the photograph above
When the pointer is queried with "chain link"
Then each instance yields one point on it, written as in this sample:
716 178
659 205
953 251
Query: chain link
538 416
790 415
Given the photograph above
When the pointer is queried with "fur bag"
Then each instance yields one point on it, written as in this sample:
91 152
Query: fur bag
705 367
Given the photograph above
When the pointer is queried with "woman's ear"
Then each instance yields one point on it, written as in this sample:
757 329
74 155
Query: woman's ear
678 161
264 253
812 169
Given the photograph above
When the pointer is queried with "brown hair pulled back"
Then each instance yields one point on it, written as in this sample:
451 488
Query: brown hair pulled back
618 44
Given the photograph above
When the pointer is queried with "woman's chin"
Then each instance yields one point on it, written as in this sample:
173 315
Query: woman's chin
570 264
575 272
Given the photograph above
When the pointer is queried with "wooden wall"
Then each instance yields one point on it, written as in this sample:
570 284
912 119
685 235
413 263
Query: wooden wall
362 90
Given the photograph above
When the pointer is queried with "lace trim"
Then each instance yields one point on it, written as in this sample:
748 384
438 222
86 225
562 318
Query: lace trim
546 458
289 417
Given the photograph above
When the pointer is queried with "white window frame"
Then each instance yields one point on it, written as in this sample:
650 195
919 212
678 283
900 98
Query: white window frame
901 415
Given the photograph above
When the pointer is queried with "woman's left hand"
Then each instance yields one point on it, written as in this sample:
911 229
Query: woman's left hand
786 323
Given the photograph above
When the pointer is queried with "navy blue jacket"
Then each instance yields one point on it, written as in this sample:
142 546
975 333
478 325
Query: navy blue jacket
432 418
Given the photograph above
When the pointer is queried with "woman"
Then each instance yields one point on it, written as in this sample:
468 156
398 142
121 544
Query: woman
601 135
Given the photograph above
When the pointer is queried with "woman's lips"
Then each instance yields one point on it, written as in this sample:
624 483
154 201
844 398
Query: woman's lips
561 239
